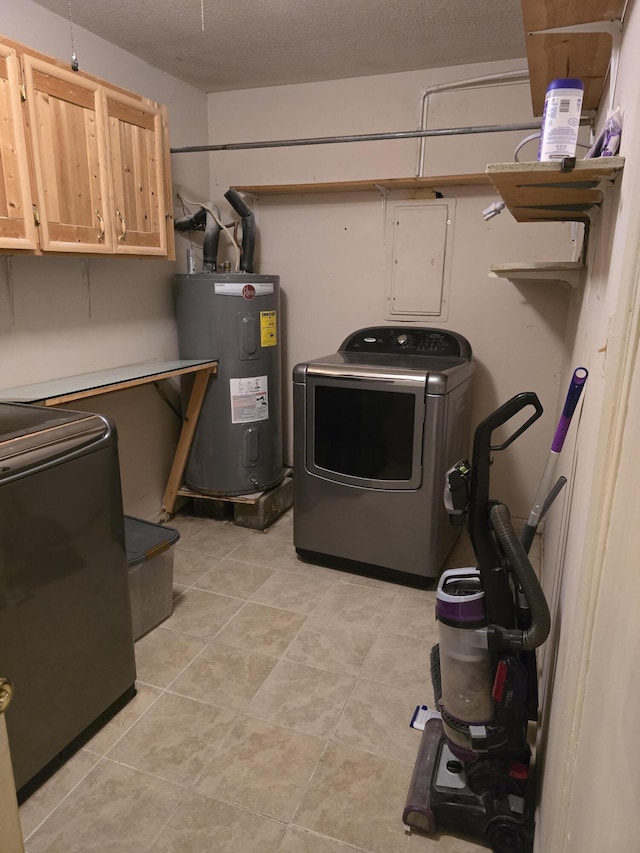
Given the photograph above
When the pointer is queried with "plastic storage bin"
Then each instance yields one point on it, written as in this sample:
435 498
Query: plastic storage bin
150 558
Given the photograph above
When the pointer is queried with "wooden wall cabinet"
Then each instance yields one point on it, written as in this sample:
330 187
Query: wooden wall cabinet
17 225
99 163
135 143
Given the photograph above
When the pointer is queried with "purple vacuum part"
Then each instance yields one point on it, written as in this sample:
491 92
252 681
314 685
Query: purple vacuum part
573 395
461 613
460 599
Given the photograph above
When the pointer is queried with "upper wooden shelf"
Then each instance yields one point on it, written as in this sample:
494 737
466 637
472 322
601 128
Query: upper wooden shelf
541 191
570 54
472 179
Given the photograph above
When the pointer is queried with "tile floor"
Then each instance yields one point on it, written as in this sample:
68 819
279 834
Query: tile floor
272 713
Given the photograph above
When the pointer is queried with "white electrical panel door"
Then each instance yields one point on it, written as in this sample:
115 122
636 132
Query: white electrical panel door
419 242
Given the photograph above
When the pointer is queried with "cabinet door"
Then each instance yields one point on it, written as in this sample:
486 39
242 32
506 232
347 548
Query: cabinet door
136 159
68 136
17 226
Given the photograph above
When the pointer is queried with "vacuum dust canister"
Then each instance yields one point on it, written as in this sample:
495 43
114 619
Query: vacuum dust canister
464 657
561 119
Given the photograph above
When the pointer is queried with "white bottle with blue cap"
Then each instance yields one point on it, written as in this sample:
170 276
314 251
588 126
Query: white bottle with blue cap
561 119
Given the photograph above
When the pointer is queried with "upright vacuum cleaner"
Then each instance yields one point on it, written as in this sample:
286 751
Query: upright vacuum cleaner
473 773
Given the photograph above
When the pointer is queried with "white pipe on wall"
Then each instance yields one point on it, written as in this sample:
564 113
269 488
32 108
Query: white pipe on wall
501 78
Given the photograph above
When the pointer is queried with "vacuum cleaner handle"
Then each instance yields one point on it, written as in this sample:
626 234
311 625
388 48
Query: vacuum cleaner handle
504 414
482 446
488 556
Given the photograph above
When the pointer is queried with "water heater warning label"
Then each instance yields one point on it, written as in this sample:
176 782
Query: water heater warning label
249 398
268 329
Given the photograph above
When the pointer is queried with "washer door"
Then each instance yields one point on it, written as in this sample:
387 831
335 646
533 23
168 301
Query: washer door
366 432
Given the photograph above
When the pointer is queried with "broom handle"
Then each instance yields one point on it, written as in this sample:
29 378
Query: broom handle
573 395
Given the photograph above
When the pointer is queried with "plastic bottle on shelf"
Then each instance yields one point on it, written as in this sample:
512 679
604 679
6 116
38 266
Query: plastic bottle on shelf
561 119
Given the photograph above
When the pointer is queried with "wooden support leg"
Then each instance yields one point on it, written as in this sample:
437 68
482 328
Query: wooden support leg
184 442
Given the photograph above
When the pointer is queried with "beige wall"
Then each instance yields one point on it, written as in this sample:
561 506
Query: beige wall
60 316
329 250
591 755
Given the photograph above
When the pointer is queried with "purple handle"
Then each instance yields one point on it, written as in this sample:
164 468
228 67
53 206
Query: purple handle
573 395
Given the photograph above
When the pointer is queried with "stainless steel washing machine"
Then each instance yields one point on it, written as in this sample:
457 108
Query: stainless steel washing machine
376 426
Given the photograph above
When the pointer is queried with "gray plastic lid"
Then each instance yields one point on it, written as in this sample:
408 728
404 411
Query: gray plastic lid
144 540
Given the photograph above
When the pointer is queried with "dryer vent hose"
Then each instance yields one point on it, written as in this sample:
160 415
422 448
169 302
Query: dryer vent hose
248 228
526 577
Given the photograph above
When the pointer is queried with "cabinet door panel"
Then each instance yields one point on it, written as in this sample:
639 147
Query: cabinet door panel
70 161
135 142
17 226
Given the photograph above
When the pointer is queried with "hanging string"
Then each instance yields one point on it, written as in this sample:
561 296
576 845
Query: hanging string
202 14
74 58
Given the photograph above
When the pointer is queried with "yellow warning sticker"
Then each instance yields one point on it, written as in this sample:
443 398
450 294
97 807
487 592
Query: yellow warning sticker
268 335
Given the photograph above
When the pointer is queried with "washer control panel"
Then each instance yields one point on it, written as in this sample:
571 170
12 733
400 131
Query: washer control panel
407 341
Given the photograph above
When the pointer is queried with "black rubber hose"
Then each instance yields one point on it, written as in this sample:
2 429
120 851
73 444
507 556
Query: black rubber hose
526 576
248 228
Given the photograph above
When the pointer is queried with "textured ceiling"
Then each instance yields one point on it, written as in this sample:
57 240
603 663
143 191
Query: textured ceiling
253 43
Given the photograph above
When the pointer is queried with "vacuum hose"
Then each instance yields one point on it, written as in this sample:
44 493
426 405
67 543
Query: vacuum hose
538 632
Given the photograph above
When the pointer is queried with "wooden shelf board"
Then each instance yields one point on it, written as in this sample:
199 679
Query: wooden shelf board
432 182
542 191
583 55
555 271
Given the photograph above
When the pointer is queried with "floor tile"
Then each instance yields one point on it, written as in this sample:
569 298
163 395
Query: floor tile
293 591
413 615
224 675
113 810
357 798
263 767
267 630
302 841
441 843
50 795
162 655
189 566
306 699
266 551
399 661
230 577
202 614
186 525
335 646
219 539
376 718
356 604
203 825
145 696
175 739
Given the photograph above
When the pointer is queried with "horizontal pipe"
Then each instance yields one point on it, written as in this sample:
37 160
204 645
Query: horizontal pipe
366 137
